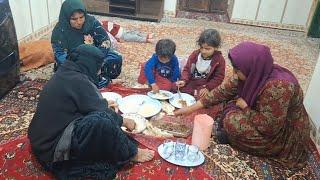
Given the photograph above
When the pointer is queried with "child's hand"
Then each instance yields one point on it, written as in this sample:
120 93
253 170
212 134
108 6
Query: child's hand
180 83
155 88
88 39
203 92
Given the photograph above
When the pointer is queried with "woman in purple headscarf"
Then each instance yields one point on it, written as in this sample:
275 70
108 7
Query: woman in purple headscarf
263 112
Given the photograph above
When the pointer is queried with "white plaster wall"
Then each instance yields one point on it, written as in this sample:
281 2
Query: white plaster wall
170 5
312 97
39 13
297 12
54 9
31 15
22 17
271 10
245 9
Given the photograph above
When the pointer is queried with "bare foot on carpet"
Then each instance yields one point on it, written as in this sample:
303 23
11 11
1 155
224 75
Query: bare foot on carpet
150 38
143 155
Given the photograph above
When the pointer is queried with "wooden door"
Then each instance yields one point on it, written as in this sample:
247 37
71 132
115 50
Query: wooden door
219 6
204 5
199 5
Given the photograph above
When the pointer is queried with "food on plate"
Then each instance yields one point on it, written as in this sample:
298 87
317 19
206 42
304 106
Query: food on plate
131 106
154 131
147 110
161 95
182 102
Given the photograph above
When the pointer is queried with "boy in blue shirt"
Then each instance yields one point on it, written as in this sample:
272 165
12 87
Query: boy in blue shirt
161 71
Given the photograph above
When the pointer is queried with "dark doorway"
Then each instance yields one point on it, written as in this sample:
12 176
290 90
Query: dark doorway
208 6
212 10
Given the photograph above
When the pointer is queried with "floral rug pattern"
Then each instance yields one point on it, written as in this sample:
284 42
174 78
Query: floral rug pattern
289 49
17 108
222 161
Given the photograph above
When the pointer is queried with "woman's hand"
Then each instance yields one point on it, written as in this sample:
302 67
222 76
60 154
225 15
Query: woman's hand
129 124
180 83
113 105
155 88
203 92
88 39
189 109
241 103
182 111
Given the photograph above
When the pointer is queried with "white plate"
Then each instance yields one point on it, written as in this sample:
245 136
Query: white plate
140 121
162 95
141 104
111 96
187 97
184 162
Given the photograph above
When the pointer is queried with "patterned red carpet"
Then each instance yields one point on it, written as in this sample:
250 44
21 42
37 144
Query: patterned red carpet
222 161
290 49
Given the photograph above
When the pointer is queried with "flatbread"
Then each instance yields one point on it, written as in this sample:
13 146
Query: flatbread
167 108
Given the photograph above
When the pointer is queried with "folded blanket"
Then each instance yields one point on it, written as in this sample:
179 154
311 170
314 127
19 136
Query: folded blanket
35 54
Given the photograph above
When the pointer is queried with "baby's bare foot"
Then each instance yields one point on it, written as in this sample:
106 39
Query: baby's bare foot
143 155
150 38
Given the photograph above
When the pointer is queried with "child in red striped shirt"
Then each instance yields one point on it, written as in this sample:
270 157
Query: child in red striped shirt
122 34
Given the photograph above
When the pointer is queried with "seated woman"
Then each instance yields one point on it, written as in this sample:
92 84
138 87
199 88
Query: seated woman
73 132
76 27
263 110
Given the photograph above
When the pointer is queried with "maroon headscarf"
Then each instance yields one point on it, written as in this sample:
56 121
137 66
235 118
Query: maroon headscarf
256 63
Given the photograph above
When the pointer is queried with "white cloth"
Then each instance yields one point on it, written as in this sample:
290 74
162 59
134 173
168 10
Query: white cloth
203 66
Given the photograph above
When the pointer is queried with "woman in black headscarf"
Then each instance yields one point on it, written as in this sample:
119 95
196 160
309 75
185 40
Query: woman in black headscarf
73 132
76 27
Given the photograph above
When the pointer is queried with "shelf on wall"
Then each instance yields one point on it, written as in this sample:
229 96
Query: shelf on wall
147 10
122 6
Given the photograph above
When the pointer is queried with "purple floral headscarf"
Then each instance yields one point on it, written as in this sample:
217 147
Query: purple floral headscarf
256 63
